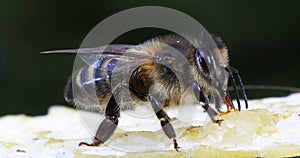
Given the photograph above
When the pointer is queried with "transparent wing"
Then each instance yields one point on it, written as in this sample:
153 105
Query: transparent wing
105 69
117 51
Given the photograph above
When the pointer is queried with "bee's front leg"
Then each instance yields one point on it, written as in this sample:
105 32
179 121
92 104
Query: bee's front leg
164 121
202 98
108 125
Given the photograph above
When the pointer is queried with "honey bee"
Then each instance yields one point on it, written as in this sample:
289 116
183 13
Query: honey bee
150 81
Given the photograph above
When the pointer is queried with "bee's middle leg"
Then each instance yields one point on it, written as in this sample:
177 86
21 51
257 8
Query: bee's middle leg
108 125
164 121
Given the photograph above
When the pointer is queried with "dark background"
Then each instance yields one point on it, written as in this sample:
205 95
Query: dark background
263 39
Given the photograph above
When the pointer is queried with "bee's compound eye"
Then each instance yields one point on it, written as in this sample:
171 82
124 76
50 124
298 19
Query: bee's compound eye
201 57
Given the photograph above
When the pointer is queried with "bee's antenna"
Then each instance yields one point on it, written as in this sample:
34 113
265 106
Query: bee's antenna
241 85
228 69
272 87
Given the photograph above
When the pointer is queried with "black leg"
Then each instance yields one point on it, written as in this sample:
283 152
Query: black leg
108 125
164 121
202 98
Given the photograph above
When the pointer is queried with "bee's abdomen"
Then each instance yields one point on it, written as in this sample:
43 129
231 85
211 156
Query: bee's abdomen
90 86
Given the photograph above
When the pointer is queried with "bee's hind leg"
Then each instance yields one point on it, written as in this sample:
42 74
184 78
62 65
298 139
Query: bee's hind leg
164 121
108 125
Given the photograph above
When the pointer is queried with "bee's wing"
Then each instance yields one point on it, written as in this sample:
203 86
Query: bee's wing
108 65
117 51
118 48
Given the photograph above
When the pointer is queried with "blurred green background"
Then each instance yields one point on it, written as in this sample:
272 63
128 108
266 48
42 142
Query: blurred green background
263 39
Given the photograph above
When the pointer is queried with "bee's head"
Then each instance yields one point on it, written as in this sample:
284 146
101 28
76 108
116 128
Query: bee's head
211 63
213 67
